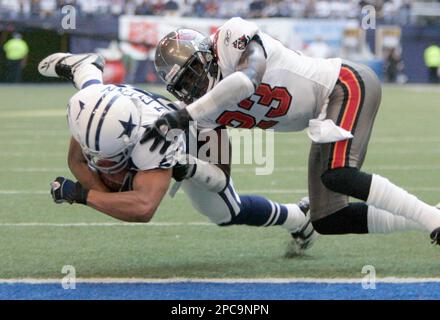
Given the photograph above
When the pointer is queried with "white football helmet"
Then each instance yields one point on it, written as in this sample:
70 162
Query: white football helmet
107 125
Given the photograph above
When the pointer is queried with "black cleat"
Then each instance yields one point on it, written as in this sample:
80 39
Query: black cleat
435 236
304 238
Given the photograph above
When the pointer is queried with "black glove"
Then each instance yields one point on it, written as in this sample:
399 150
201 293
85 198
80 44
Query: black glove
65 190
183 171
159 129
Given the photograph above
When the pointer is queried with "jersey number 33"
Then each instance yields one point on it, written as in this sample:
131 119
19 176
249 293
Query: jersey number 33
277 100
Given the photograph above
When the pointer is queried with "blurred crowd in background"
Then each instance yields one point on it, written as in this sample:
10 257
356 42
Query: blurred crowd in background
390 11
386 56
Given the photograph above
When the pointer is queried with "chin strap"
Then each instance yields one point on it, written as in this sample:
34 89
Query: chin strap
213 81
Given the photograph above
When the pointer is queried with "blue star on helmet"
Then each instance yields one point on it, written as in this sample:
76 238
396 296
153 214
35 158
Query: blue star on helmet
128 127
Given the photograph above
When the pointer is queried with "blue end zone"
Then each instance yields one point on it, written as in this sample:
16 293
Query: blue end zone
221 291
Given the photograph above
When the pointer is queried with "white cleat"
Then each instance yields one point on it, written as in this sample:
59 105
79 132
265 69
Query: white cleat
437 206
63 65
46 67
304 238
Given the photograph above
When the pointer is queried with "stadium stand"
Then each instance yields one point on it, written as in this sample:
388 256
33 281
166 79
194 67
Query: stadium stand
389 11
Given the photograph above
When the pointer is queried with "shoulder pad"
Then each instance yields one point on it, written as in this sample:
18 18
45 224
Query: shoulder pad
230 41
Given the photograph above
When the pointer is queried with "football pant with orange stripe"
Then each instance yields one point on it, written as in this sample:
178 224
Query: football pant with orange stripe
334 169
353 105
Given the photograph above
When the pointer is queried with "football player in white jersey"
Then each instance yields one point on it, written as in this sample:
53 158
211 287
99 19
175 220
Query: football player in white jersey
242 77
107 122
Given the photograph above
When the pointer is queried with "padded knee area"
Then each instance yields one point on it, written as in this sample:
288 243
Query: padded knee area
323 226
351 219
348 181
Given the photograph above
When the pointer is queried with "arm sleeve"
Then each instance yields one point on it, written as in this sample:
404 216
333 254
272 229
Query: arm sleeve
230 91
230 41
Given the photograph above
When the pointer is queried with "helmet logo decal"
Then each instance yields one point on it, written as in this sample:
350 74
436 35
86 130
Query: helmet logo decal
81 107
228 37
185 35
128 127
242 42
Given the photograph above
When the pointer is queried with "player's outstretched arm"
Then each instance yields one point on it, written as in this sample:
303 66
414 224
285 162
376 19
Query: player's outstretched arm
230 91
138 205
234 88
80 169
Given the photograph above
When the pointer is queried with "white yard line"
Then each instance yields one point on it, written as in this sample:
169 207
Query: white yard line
250 169
33 132
242 191
268 191
34 169
21 134
384 140
105 224
388 151
20 192
34 141
372 167
34 114
216 280
33 154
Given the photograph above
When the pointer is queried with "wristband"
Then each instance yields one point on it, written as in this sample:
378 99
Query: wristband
81 194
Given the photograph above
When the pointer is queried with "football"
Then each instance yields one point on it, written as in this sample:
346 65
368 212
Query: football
114 181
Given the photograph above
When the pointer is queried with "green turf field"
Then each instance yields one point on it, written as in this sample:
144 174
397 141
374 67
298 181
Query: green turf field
38 237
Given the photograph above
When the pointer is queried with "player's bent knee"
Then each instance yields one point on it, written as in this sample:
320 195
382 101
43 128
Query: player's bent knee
349 181
352 218
323 226
238 219
337 179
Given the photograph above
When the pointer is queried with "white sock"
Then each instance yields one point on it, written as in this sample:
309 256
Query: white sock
380 221
389 197
86 73
295 218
